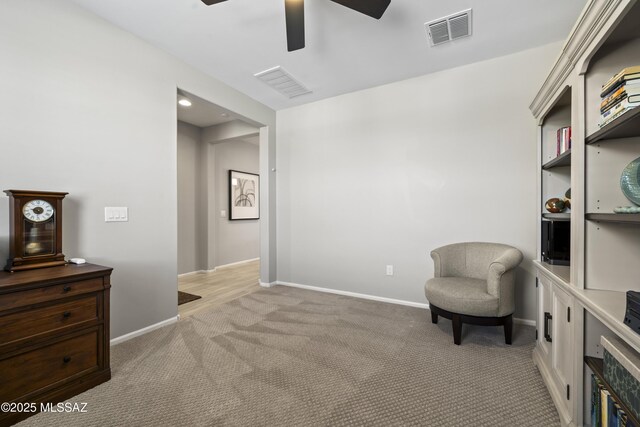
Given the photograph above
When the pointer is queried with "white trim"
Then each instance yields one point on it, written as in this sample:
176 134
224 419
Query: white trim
425 306
217 267
594 17
246 261
191 273
130 335
526 322
268 284
355 294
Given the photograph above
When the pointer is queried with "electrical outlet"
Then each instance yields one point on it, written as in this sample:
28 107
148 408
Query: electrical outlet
389 270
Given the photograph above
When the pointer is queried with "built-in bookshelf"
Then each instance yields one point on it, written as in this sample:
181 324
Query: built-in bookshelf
605 246
611 240
596 366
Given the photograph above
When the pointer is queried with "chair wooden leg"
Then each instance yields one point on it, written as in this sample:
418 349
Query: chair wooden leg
457 329
434 317
508 329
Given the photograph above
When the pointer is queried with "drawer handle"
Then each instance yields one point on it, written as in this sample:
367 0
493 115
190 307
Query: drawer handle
66 314
67 288
547 319
67 359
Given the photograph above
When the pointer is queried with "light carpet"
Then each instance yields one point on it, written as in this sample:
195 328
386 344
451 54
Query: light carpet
292 357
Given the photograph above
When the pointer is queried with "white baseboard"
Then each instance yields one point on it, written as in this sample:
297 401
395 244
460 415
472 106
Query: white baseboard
130 335
372 297
236 263
219 266
355 294
526 322
268 285
191 273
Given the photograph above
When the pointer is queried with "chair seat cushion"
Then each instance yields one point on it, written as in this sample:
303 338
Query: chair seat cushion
461 295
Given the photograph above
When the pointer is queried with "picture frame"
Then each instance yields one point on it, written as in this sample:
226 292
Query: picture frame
244 195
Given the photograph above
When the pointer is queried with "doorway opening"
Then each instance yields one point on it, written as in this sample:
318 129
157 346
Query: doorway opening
218 248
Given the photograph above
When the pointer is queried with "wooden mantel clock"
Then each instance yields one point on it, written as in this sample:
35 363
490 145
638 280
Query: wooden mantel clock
35 230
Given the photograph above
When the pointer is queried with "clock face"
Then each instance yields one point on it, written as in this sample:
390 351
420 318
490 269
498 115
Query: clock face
37 210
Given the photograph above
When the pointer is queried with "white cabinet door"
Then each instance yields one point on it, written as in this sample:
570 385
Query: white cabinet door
562 344
555 344
544 323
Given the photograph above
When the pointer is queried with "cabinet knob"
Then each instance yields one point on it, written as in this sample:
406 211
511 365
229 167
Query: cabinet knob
66 359
67 288
66 314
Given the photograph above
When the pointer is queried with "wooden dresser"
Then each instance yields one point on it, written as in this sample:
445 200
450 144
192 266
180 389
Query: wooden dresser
54 334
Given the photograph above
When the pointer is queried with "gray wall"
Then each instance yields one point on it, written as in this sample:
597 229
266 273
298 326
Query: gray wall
93 112
384 175
192 202
235 240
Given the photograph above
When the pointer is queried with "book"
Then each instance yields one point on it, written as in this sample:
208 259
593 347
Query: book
624 100
604 405
623 92
616 111
596 417
630 83
612 117
625 74
563 140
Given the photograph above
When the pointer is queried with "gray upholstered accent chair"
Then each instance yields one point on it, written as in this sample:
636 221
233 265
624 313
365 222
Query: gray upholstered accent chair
474 284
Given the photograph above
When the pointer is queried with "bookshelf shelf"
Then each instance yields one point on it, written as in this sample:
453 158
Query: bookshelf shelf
563 159
596 366
560 273
557 216
614 217
625 126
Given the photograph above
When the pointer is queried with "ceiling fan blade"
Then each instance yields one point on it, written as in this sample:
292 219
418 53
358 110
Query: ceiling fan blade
372 8
210 2
294 16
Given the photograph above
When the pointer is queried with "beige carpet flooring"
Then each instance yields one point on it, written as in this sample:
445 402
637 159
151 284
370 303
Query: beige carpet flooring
291 357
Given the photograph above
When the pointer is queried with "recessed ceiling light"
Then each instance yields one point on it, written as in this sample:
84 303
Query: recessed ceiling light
224 115
184 101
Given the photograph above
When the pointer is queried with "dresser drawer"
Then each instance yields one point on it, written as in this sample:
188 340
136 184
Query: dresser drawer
28 323
39 368
49 293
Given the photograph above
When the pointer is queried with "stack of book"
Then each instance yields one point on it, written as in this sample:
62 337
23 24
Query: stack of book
605 411
620 94
563 136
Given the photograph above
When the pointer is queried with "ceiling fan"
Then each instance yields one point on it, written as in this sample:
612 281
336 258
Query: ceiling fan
294 16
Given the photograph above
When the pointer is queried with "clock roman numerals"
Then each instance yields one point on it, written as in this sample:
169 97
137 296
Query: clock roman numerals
37 210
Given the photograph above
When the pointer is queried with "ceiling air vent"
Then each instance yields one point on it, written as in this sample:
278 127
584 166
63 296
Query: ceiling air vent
449 28
282 81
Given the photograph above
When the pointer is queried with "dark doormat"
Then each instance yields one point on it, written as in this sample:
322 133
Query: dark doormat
184 297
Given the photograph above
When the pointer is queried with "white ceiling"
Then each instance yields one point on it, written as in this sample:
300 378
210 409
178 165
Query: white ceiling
345 50
203 113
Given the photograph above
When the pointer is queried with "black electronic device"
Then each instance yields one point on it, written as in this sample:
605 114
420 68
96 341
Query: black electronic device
556 242
632 315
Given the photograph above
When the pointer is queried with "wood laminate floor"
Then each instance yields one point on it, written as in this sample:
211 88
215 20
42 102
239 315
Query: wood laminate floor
220 286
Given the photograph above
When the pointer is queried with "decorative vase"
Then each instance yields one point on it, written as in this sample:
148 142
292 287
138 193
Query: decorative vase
555 205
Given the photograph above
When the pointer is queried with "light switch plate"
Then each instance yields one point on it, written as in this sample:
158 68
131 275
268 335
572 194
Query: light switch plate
223 214
116 214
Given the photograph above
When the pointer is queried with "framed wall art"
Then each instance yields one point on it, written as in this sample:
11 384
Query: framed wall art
244 195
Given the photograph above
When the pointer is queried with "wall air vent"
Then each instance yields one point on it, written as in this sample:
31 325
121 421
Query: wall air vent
282 81
449 28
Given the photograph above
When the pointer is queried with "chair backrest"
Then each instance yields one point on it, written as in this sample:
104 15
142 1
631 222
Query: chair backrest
470 259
